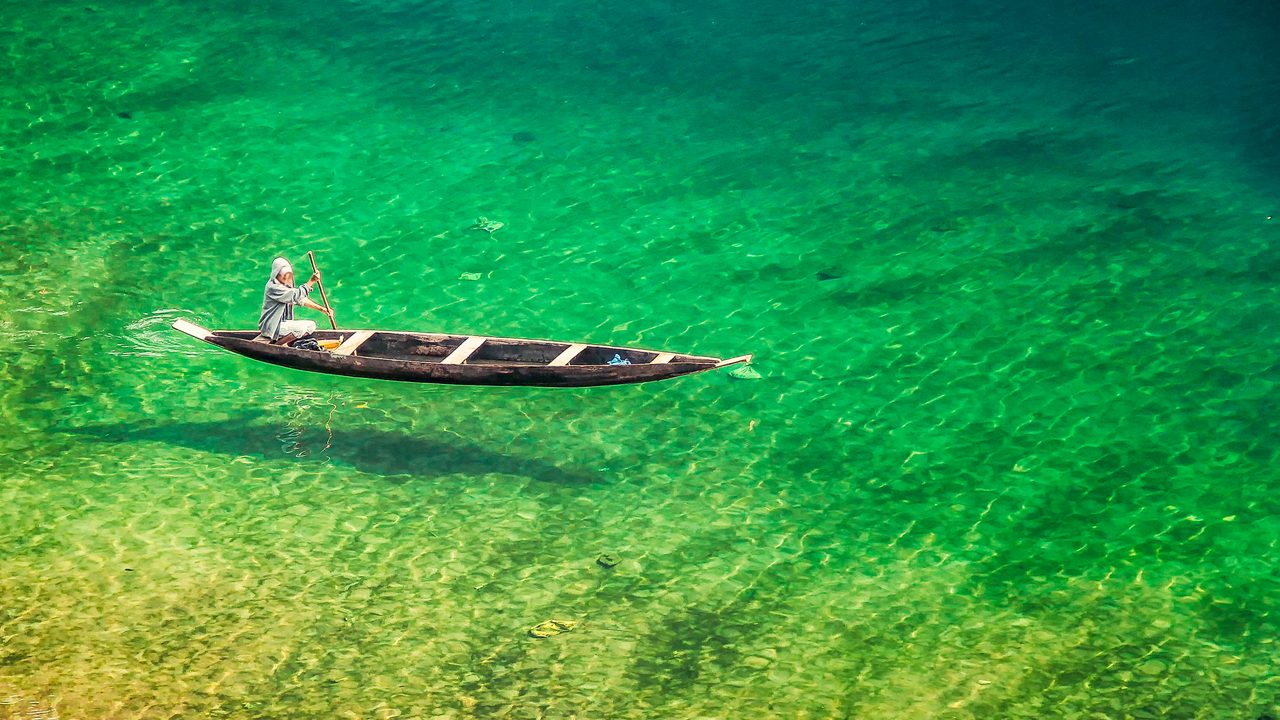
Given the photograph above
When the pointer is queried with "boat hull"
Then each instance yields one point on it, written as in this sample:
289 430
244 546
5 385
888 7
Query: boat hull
433 370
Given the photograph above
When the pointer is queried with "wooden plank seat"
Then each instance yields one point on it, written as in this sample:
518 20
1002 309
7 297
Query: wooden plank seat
464 351
662 359
567 355
349 346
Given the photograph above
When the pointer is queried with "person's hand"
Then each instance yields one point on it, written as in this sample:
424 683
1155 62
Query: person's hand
328 311
315 277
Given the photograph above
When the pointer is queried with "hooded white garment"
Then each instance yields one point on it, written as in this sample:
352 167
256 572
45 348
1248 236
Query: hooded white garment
279 266
278 300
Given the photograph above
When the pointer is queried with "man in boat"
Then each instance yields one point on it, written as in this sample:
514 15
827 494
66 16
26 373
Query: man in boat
276 323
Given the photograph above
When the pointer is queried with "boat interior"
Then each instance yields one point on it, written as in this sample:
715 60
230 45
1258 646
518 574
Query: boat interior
480 350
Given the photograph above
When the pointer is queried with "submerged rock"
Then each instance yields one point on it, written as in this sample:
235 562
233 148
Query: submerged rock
550 628
1152 667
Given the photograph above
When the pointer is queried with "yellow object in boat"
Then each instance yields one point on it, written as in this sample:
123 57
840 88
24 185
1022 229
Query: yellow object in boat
331 344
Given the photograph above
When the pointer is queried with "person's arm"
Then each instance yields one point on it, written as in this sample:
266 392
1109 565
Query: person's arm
292 295
287 295
309 304
315 278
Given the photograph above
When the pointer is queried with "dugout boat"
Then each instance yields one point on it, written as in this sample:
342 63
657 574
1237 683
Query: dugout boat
464 359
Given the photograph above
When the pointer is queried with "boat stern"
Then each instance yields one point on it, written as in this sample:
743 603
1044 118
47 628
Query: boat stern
734 361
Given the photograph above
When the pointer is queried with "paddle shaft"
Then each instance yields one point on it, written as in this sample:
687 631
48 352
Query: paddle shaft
312 257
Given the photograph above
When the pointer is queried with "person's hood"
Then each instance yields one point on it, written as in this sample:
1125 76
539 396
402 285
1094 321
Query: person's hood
278 267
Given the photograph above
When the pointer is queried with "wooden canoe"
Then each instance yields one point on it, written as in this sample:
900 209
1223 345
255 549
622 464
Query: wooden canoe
464 359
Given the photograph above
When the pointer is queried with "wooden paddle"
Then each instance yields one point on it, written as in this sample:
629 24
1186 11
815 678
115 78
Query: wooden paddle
312 257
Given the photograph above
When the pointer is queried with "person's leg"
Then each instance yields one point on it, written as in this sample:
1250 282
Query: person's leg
297 328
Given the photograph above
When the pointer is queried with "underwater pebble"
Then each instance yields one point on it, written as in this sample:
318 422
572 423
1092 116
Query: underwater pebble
756 662
1152 667
551 628
1255 671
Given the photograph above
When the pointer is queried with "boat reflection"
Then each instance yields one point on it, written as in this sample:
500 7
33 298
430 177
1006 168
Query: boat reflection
379 452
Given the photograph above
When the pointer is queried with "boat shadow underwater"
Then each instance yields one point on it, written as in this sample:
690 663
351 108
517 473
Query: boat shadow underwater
366 450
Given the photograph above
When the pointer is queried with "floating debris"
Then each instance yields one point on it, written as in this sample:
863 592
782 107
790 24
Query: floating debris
469 276
551 628
607 560
487 225
746 372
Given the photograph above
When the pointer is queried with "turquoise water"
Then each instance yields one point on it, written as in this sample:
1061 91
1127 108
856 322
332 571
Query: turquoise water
1008 274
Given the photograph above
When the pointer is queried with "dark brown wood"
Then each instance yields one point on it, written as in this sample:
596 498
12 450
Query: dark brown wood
312 257
417 357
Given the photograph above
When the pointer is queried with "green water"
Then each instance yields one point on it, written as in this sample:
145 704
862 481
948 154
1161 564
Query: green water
1009 276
